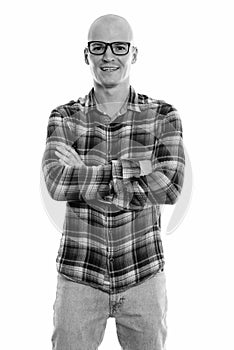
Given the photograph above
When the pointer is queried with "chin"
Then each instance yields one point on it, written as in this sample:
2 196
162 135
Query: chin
110 84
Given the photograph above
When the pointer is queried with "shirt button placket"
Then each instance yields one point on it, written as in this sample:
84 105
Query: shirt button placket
107 275
111 259
108 142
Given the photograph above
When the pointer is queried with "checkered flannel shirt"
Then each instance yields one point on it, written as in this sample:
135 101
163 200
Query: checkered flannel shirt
111 235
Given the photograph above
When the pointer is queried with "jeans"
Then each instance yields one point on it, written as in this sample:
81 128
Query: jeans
81 313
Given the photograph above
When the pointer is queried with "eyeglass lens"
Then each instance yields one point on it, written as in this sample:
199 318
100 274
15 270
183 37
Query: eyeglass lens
99 48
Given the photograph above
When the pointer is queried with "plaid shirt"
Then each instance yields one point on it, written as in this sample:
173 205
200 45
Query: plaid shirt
111 235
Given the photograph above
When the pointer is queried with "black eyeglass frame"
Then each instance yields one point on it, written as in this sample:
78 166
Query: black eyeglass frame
109 44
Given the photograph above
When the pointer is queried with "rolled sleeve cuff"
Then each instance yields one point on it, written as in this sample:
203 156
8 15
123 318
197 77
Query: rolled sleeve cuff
125 169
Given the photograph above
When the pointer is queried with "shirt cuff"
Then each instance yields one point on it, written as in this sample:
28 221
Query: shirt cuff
125 169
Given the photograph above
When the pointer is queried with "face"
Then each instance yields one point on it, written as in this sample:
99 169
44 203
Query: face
111 70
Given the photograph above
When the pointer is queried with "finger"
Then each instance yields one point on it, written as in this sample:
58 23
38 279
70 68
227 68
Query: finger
70 157
63 145
62 150
61 155
64 163
65 160
71 154
75 154
65 148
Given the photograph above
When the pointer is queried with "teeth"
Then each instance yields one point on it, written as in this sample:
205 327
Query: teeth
109 68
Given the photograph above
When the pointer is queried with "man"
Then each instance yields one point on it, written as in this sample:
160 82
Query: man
115 157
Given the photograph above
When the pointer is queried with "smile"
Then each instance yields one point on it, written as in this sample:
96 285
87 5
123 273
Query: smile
109 69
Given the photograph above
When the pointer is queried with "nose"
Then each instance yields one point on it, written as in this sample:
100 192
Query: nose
108 55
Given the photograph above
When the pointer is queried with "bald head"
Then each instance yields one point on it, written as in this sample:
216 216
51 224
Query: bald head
110 28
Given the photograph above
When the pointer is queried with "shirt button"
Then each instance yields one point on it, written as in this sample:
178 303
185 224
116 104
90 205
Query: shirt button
111 259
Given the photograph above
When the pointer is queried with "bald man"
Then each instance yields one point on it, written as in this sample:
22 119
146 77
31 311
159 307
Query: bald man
115 156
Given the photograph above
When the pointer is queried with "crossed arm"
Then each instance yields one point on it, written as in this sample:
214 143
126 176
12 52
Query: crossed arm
67 177
138 184
132 183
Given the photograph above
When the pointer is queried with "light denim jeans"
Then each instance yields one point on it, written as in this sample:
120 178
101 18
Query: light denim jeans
81 313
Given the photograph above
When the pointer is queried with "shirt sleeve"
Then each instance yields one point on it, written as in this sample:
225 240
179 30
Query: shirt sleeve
132 190
74 182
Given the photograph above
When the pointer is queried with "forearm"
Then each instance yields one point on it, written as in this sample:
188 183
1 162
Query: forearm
74 182
155 181
161 186
165 185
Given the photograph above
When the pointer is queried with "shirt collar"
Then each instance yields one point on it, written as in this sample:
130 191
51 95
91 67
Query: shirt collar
132 103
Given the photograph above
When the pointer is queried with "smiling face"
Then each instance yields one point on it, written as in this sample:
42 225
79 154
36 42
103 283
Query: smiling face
110 70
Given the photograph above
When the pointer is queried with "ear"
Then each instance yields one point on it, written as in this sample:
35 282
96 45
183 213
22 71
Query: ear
134 54
86 55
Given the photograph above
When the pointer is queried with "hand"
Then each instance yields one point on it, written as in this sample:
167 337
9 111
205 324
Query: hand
146 167
68 156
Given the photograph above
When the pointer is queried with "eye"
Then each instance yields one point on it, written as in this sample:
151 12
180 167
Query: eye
97 47
120 47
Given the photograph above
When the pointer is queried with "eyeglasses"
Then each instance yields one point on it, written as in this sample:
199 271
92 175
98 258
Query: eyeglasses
119 48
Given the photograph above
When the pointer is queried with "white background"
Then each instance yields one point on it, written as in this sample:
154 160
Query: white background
186 58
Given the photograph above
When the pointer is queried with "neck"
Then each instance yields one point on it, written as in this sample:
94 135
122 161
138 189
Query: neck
111 94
